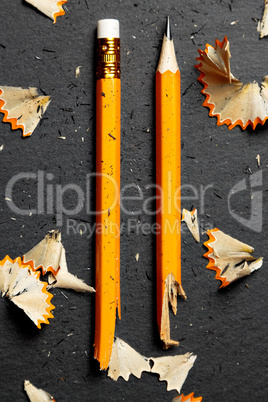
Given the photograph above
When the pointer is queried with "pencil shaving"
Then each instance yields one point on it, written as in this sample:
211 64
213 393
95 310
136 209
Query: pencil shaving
46 254
263 24
51 8
173 369
188 398
77 71
229 257
37 394
190 218
49 255
23 288
22 108
172 289
66 280
125 361
231 101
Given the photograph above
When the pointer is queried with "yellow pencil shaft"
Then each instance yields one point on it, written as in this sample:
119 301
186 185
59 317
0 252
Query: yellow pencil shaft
108 216
168 180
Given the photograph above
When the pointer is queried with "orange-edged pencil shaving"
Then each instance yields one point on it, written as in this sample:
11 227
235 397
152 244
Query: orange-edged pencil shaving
187 398
23 287
229 258
22 108
230 100
51 8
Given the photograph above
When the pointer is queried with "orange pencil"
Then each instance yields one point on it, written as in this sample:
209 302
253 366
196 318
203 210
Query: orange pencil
108 105
168 180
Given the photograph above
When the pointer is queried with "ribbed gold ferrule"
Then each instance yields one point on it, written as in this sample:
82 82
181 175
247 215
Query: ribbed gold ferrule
108 58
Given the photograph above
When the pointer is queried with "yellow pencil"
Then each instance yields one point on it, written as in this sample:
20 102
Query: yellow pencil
108 94
168 180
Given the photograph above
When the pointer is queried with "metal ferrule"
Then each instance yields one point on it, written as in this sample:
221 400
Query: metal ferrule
108 58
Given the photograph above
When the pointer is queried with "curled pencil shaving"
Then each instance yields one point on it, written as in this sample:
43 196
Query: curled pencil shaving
37 394
231 101
190 218
66 280
46 254
229 257
22 108
187 398
172 289
125 361
173 369
49 255
263 24
51 8
23 287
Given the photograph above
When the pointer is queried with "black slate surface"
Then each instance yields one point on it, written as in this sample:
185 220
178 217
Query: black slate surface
227 330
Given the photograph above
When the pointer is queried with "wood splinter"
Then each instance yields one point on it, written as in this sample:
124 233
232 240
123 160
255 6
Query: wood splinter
172 289
190 218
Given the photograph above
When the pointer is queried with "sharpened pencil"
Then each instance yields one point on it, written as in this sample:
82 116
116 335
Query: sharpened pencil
168 180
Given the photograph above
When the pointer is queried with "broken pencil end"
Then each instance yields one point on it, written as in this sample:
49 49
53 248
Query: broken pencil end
172 289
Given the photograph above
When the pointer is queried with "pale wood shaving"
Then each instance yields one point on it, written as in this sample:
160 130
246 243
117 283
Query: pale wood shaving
173 369
37 394
50 256
23 108
190 218
172 289
47 253
231 101
77 71
258 160
125 361
23 288
263 24
51 8
66 280
229 257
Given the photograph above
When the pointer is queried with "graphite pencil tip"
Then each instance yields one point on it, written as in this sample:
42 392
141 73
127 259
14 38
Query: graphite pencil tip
168 30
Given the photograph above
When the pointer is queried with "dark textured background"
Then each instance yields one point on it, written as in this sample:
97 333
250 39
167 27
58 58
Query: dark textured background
226 329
